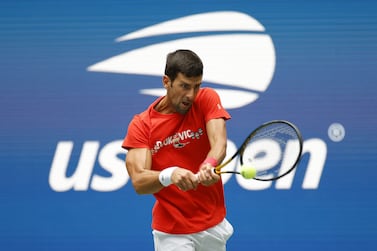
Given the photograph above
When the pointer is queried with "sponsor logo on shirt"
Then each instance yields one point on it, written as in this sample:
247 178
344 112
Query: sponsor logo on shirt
177 139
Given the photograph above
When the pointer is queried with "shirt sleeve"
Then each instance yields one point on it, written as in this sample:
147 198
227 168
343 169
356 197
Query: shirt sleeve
137 135
210 103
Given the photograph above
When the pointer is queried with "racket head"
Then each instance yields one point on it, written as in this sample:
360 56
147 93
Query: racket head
274 149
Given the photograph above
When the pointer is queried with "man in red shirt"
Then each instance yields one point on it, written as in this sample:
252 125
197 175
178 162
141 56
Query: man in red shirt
173 147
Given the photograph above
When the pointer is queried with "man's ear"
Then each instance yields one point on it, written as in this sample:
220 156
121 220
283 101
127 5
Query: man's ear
166 81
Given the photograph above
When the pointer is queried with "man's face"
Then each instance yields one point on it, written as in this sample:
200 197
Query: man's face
182 91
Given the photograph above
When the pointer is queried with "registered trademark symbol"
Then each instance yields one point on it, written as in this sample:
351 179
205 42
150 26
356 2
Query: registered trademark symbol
336 132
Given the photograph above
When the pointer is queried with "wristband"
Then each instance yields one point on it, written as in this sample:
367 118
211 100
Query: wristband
165 176
211 161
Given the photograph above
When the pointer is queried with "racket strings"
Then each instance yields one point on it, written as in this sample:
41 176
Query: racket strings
276 137
279 133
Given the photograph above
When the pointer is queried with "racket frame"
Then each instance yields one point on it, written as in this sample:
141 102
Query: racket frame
242 148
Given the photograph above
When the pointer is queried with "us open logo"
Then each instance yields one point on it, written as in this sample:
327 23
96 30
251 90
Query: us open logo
235 50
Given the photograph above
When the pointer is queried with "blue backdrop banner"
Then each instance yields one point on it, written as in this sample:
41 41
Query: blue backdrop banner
74 73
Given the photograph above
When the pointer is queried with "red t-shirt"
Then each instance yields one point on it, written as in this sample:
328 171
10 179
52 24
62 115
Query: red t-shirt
181 140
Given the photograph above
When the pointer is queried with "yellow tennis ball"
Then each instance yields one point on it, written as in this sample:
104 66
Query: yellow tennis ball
248 172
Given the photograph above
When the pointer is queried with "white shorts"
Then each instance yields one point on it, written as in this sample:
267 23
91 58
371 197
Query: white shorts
214 238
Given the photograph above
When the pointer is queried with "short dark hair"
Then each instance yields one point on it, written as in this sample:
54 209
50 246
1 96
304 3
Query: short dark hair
185 62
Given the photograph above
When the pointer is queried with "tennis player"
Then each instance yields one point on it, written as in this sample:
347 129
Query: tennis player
173 147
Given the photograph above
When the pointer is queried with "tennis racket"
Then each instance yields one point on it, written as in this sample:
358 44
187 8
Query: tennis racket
272 150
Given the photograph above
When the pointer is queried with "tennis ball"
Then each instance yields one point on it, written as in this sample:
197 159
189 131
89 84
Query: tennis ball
248 172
